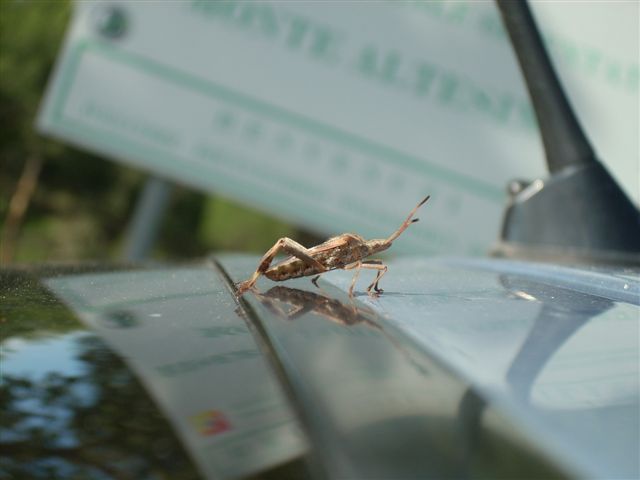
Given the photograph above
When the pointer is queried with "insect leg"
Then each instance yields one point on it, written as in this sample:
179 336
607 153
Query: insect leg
351 266
381 270
314 280
295 249
289 246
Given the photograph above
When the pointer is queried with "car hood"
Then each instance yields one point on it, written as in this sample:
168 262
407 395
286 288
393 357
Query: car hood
461 368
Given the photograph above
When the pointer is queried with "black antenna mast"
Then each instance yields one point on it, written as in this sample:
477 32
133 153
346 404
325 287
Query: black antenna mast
579 213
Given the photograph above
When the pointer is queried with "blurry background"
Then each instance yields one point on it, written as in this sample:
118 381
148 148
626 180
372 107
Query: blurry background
79 203
60 203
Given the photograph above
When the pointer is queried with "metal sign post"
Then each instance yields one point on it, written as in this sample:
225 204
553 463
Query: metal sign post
147 219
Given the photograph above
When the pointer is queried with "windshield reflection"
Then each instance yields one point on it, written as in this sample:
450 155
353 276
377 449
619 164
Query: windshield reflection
556 322
562 314
81 414
374 402
138 376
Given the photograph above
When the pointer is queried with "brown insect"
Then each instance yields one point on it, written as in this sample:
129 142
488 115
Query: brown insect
346 251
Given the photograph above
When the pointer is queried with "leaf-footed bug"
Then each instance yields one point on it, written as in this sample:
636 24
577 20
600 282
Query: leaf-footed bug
347 251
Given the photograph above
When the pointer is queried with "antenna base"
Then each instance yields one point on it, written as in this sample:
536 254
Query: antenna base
579 214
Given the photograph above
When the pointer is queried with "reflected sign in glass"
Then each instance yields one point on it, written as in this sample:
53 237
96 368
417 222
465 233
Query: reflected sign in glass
182 337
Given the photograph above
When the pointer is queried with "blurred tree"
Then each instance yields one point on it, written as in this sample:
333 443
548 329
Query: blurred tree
77 201
99 424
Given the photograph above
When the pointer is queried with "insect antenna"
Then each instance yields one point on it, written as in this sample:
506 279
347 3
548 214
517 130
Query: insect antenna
407 222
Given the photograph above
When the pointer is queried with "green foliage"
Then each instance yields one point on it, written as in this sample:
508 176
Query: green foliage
241 223
96 424
81 200
82 204
28 309
30 33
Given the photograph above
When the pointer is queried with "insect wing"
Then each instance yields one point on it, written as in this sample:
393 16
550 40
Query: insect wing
332 243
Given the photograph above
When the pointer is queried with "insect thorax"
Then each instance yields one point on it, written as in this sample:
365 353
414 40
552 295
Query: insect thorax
377 245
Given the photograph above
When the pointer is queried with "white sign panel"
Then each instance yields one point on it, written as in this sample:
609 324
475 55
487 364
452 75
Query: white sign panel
341 116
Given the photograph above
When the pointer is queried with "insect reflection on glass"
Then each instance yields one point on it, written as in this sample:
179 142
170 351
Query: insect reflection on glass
347 251
292 303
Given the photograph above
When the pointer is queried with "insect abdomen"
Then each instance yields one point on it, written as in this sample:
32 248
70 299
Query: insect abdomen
290 269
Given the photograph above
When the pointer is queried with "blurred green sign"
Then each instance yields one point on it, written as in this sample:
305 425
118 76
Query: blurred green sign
338 117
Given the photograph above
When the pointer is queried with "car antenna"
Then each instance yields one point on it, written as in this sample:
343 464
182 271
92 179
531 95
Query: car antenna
579 213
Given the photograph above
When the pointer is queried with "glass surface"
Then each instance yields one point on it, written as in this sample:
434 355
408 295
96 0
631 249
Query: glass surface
472 358
139 374
459 369
555 347
70 407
